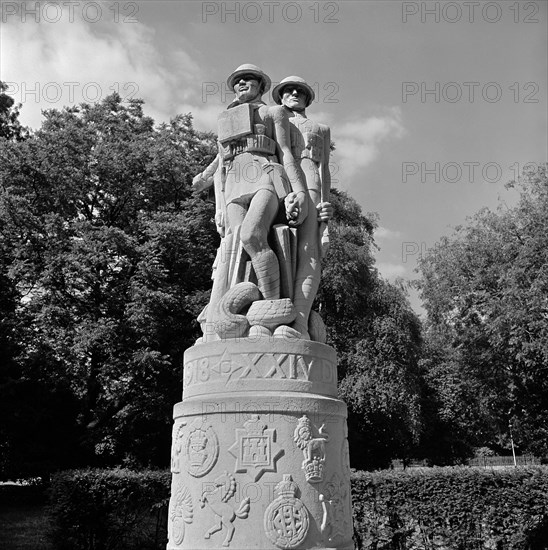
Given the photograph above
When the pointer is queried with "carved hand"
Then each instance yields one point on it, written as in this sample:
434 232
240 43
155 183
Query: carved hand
296 208
199 183
325 211
220 223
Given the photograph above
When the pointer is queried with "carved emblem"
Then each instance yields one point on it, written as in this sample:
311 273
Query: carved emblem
181 512
201 448
286 518
345 454
177 447
336 511
216 496
255 448
312 447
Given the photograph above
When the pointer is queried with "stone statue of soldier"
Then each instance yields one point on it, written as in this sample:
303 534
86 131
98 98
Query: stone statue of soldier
310 145
254 174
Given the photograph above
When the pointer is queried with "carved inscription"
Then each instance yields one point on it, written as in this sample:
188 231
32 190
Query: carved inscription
255 449
278 366
286 518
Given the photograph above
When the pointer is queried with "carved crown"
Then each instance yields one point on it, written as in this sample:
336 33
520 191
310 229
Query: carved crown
313 470
196 448
287 487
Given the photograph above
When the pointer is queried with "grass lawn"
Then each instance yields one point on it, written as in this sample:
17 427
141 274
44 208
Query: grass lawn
23 527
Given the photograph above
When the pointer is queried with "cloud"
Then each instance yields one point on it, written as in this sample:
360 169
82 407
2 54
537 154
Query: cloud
391 271
358 141
73 60
387 234
205 118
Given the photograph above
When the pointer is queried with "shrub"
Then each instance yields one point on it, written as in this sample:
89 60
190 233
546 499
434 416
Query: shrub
109 509
427 509
451 509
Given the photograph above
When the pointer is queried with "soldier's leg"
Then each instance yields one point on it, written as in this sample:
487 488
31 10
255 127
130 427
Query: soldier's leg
307 278
254 235
225 254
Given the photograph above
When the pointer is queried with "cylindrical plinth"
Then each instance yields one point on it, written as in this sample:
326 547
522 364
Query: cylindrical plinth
260 454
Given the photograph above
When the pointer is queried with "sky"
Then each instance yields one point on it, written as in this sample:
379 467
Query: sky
433 106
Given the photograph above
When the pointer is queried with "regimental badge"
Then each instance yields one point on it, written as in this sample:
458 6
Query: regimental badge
216 496
176 447
201 448
336 510
312 447
345 455
286 518
180 513
255 448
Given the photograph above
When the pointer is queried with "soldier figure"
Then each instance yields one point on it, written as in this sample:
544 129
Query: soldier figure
310 145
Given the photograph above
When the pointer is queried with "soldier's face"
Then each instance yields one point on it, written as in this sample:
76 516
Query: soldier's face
247 88
294 98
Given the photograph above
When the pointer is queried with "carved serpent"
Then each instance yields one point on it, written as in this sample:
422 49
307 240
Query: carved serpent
230 322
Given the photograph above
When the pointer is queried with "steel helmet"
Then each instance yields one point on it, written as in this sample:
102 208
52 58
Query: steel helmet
248 68
296 81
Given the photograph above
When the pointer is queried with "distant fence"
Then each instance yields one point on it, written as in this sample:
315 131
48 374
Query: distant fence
493 461
479 462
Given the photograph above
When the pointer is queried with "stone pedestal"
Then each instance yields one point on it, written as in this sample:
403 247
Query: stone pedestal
260 452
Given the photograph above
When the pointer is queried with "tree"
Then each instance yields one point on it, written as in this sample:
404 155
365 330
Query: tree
378 340
484 289
10 127
107 252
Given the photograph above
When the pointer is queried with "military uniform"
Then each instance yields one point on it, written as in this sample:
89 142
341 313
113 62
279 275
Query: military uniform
250 161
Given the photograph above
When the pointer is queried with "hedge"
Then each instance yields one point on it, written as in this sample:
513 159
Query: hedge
427 509
451 509
29 494
109 509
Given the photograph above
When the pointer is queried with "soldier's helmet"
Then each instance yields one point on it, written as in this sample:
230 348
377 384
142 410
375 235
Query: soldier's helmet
248 68
295 81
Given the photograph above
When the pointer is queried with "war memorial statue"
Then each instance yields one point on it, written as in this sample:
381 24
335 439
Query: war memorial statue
259 454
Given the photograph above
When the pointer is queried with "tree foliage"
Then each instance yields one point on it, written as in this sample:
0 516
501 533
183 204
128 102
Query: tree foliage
10 127
377 337
107 258
485 289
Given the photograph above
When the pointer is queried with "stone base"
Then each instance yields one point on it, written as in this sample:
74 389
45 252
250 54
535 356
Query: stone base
260 452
